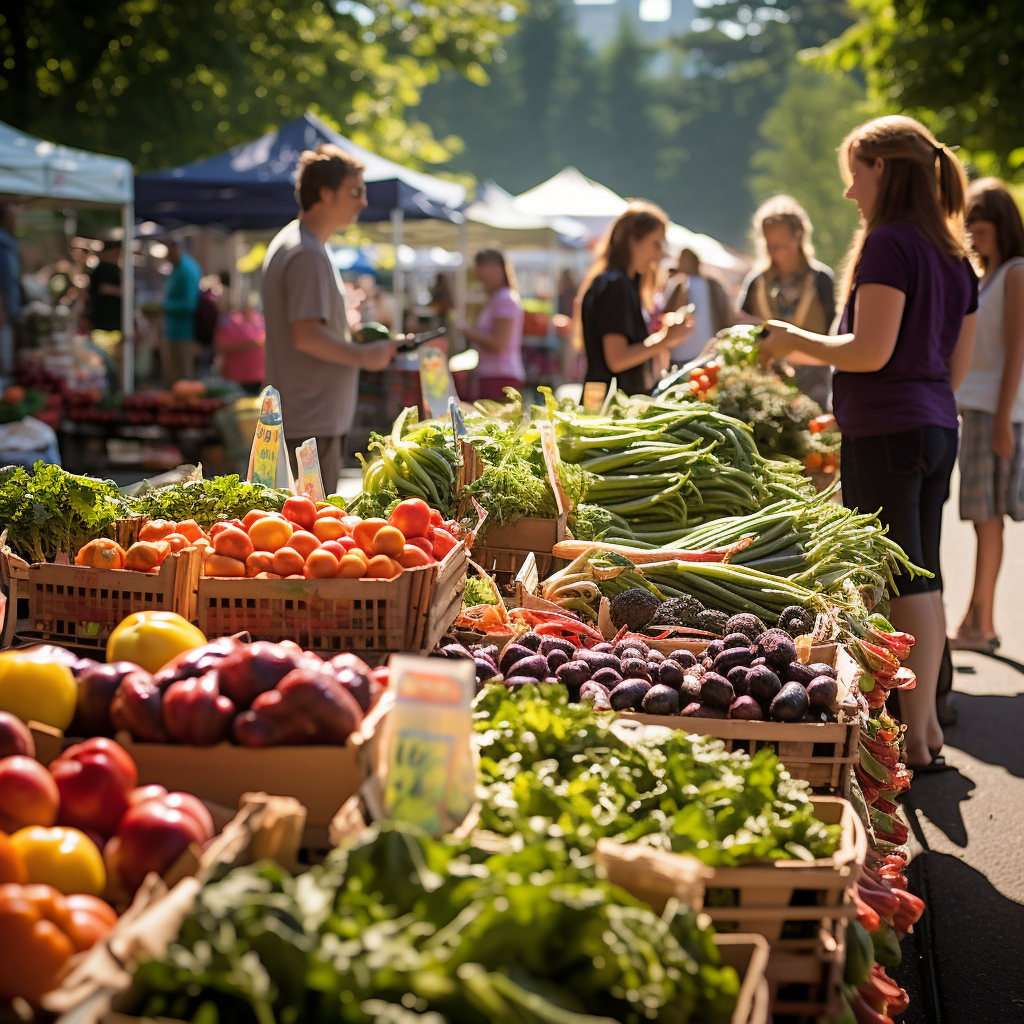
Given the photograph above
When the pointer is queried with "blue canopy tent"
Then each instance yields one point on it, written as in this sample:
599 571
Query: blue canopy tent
253 185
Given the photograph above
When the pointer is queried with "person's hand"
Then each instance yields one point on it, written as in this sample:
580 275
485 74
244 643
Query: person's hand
678 327
1002 438
377 355
775 343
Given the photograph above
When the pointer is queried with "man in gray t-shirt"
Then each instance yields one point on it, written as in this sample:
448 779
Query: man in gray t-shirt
310 356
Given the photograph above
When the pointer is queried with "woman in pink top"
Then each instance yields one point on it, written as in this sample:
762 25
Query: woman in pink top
239 343
498 334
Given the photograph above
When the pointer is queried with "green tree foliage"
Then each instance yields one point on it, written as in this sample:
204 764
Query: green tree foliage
678 126
163 81
801 135
956 64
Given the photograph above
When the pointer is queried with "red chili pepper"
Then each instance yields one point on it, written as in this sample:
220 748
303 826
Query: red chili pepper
867 916
910 909
867 1014
882 903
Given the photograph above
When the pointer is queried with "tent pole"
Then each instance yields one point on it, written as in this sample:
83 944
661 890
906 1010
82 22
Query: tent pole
398 278
128 300
237 252
462 280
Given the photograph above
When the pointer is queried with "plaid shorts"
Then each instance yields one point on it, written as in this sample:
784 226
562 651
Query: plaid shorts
989 486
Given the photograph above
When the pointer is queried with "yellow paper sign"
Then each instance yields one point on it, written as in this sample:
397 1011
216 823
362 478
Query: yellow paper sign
268 460
431 773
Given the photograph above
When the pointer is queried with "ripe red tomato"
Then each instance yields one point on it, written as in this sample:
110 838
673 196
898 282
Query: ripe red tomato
301 511
411 517
443 543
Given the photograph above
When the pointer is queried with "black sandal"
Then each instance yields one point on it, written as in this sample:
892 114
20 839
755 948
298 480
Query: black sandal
937 764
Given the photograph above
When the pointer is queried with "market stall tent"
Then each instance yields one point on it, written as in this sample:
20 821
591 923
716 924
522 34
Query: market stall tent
36 169
572 194
253 185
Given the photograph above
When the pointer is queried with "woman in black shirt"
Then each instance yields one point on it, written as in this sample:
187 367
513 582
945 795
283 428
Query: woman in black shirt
612 328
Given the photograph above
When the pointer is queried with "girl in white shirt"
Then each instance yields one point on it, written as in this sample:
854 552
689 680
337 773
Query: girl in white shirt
991 401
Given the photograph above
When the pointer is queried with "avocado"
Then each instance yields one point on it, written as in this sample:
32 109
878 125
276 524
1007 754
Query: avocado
549 644
736 640
629 694
731 657
607 677
685 658
797 672
822 691
777 648
670 673
556 659
738 677
531 640
746 708
717 691
634 668
661 700
573 674
764 685
513 653
790 703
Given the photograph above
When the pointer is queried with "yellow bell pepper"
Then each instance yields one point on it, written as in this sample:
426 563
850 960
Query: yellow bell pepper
35 687
62 857
151 639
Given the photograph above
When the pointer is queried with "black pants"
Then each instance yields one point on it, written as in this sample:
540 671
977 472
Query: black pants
905 478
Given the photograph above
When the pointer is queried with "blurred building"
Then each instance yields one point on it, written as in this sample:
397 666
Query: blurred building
599 21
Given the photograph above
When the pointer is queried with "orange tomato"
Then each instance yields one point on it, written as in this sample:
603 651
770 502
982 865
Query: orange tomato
812 460
251 517
225 524
412 517
191 529
413 555
270 533
381 567
223 565
321 565
177 541
443 542
388 541
234 543
146 555
329 528
101 554
287 561
157 529
304 542
364 532
259 561
267 576
351 567
360 554
330 512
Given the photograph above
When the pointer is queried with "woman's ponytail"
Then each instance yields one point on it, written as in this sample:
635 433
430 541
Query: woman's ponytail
952 185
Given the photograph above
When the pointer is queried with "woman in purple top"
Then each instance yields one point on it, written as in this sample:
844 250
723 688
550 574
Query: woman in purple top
498 334
908 332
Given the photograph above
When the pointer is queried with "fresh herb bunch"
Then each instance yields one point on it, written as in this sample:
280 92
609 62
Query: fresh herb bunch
49 511
737 346
206 501
551 768
777 412
398 927
477 592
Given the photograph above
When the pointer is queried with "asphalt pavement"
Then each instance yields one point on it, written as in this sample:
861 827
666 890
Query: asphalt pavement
964 964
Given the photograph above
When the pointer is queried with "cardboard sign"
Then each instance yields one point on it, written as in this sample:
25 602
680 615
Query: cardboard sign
435 381
431 773
593 395
268 460
310 482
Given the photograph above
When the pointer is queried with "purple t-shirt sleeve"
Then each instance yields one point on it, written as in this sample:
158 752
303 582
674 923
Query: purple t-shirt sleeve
504 307
884 260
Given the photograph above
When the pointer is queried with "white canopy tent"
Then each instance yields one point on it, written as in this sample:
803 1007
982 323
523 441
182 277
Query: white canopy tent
35 169
572 194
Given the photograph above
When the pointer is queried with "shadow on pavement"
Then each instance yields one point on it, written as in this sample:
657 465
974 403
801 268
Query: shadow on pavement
938 797
988 727
963 962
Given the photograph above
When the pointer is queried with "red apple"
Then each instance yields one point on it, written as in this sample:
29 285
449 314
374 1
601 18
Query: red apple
151 837
15 737
94 779
143 793
97 685
28 794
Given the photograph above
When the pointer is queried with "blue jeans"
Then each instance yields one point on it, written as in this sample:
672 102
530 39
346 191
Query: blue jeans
905 476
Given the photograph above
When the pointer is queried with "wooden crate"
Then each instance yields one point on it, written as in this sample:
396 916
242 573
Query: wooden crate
822 754
79 607
748 956
265 826
805 976
504 550
372 618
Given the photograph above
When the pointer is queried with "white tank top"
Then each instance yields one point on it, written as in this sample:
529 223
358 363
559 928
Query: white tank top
980 389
